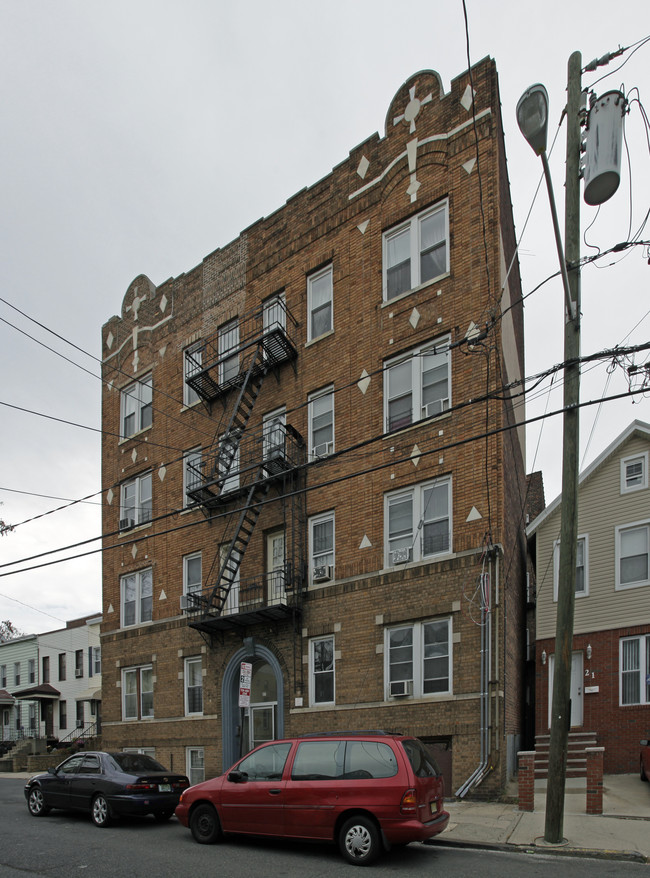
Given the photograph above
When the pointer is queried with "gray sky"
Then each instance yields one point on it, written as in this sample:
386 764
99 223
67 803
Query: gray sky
139 136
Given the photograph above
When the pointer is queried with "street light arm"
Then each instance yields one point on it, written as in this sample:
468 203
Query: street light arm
571 308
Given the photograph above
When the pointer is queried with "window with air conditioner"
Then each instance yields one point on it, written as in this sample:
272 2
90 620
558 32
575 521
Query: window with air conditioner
321 547
417 385
416 251
137 597
79 663
418 659
321 423
135 502
418 522
136 407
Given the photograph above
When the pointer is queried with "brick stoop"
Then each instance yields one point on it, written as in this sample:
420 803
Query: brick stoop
576 755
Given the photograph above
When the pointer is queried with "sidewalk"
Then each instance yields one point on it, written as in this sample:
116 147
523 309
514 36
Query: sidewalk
621 832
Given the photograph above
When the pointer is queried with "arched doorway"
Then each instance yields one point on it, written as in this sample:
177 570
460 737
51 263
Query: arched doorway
243 729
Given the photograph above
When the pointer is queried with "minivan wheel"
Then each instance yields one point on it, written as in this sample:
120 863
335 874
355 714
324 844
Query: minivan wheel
36 803
205 825
359 841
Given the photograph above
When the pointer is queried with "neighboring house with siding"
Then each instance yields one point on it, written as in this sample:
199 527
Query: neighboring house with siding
18 670
610 686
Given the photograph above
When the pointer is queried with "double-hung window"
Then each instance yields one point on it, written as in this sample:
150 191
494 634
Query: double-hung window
31 670
192 364
228 341
321 423
321 547
417 385
62 666
273 438
633 555
136 410
192 575
582 567
78 663
97 659
137 597
195 764
135 502
193 686
192 474
418 659
320 298
418 522
416 251
322 670
634 663
137 692
634 473
16 673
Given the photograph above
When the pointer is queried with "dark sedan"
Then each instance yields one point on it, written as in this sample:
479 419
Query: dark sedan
645 759
107 785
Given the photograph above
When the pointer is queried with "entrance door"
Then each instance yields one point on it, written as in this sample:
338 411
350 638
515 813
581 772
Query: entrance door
275 567
259 720
6 724
577 688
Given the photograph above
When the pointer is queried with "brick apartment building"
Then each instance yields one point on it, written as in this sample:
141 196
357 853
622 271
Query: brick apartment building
309 464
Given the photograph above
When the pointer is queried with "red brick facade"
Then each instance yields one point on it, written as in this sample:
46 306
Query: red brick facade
426 160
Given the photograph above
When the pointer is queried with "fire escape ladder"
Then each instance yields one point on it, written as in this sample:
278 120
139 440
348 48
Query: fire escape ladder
237 548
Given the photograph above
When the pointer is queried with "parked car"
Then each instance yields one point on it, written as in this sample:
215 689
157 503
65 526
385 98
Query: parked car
645 760
107 785
362 790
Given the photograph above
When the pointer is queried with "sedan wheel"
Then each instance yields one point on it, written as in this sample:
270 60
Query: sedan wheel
205 825
36 803
100 811
359 841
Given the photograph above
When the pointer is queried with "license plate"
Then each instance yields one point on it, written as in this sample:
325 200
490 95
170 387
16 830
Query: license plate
164 788
434 807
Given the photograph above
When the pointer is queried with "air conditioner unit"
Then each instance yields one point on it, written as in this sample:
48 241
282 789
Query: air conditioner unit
127 523
78 672
436 407
323 450
322 574
399 688
400 556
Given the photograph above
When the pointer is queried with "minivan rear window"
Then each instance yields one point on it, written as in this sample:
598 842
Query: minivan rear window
343 760
422 761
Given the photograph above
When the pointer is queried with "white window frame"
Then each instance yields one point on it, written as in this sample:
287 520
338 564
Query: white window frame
315 673
410 232
190 396
629 481
643 527
582 540
142 675
192 583
194 456
190 668
274 313
322 558
136 401
136 500
228 340
231 482
195 764
641 669
320 404
421 516
417 659
141 600
411 365
325 301
273 433
97 660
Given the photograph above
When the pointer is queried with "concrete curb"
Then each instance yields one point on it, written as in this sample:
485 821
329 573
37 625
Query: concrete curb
562 851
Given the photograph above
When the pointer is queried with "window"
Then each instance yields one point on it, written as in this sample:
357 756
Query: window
16 673
274 314
635 670
319 304
321 547
193 686
136 406
3 677
80 714
137 689
266 763
31 670
195 764
192 364
416 252
322 670
46 669
273 436
62 669
418 659
32 717
135 502
418 522
632 548
97 659
634 473
582 567
321 423
63 717
137 597
417 385
192 474
228 340
79 663
192 573
228 463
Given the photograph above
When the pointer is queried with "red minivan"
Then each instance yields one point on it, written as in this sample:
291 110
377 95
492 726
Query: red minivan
363 790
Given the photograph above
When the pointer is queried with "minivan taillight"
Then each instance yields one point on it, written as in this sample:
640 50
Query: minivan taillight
409 803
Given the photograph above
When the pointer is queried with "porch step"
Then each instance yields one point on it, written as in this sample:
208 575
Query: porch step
576 763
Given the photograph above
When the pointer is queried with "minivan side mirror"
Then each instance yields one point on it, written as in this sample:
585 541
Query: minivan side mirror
237 776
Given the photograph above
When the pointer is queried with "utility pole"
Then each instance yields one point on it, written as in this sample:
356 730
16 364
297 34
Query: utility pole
561 706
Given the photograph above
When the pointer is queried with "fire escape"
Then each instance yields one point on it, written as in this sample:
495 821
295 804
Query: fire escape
243 470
